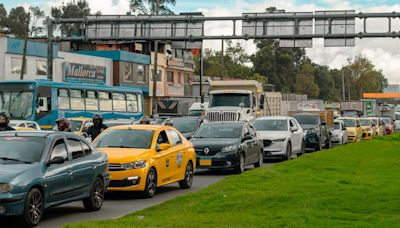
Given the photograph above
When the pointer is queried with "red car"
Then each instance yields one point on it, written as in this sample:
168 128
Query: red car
389 125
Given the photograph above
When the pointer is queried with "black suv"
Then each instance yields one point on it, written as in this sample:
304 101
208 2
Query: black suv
316 132
225 145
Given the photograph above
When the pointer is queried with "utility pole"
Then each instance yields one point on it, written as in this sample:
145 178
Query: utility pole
222 59
348 86
25 46
155 73
50 51
343 87
201 76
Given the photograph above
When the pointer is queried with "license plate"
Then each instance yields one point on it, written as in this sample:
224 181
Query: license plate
205 162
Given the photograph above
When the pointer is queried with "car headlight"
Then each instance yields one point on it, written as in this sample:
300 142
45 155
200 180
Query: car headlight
134 165
5 188
279 140
312 131
368 129
229 148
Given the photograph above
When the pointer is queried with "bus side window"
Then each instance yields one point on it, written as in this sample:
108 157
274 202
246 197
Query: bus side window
63 99
139 98
105 102
77 102
119 102
131 103
92 104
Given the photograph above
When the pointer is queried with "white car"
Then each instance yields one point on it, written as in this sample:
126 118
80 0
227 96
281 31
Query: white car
282 136
397 121
339 133
24 124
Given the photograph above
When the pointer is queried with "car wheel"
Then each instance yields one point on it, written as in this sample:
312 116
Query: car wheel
188 181
328 144
288 152
303 148
319 146
240 168
34 207
260 161
96 198
151 184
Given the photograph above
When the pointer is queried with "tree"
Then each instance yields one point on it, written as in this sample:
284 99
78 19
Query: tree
73 9
36 15
326 83
305 81
152 6
3 18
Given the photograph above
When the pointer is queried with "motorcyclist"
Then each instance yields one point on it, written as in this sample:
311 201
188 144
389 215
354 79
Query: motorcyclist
97 127
168 122
145 120
4 121
63 124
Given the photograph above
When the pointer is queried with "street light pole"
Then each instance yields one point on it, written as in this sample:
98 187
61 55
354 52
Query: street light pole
343 87
25 46
155 73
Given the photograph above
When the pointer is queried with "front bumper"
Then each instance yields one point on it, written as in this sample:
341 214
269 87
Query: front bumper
275 149
12 204
128 180
312 140
220 160
367 135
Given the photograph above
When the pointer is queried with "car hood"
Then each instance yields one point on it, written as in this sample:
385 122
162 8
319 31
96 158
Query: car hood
309 126
272 135
188 134
125 155
213 142
10 171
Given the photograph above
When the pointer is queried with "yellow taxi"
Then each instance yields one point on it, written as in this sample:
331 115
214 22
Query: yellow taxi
145 157
368 131
353 128
379 127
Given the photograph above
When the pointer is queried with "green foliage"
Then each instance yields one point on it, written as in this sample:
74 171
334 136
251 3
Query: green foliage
355 185
305 83
16 21
3 18
152 6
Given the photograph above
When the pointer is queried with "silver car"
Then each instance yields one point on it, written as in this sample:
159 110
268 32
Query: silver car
339 133
282 136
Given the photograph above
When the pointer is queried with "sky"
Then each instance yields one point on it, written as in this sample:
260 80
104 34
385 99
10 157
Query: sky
383 52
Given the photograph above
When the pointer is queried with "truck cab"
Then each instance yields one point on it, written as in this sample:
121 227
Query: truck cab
235 101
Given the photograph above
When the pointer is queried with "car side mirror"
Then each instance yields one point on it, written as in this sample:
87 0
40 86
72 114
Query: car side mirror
56 160
293 129
163 146
189 137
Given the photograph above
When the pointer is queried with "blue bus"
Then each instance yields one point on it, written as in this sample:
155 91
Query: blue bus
44 101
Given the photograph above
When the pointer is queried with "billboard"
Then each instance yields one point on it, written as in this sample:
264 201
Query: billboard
73 72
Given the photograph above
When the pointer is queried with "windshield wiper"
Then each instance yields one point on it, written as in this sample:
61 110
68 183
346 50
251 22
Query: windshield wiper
14 159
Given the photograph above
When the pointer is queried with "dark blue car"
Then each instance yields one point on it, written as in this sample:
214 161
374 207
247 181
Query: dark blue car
39 170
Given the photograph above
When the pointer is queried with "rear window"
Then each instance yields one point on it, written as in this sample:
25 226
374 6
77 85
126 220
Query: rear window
25 149
307 119
219 131
139 139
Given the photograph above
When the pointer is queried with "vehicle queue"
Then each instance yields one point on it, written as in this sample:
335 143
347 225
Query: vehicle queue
42 169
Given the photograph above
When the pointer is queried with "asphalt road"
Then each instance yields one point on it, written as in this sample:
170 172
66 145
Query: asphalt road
119 204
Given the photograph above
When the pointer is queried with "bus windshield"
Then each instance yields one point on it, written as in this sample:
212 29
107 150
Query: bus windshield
18 104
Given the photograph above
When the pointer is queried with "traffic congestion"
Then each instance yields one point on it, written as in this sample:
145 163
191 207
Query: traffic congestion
81 159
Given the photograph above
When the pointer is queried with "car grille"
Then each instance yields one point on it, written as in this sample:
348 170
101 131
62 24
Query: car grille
123 183
212 151
115 167
267 143
223 116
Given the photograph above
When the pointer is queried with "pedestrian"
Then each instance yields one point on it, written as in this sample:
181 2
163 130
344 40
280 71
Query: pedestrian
97 127
63 124
168 122
4 121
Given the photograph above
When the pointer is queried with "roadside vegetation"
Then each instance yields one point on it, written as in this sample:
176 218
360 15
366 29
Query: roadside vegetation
356 185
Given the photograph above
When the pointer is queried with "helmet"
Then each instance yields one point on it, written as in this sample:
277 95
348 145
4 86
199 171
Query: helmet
62 124
6 115
145 120
97 117
168 122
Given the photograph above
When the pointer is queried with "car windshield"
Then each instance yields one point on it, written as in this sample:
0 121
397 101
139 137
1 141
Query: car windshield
219 131
116 123
374 121
307 119
140 139
365 122
336 126
24 149
386 120
350 113
271 125
185 125
195 112
75 125
230 99
18 104
349 122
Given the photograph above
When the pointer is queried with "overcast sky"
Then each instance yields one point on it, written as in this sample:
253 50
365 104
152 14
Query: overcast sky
384 53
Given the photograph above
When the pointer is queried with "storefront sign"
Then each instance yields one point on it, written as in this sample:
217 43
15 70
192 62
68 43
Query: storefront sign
73 72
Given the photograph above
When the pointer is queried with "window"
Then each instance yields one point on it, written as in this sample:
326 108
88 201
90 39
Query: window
179 79
170 77
175 138
59 150
119 102
162 138
77 101
86 148
41 67
131 103
141 74
128 72
31 125
76 148
16 65
159 75
139 98
63 99
105 102
92 104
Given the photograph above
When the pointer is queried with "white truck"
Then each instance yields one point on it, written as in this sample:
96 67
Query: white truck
235 100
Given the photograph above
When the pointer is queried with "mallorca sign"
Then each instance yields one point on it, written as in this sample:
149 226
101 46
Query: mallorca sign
73 72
